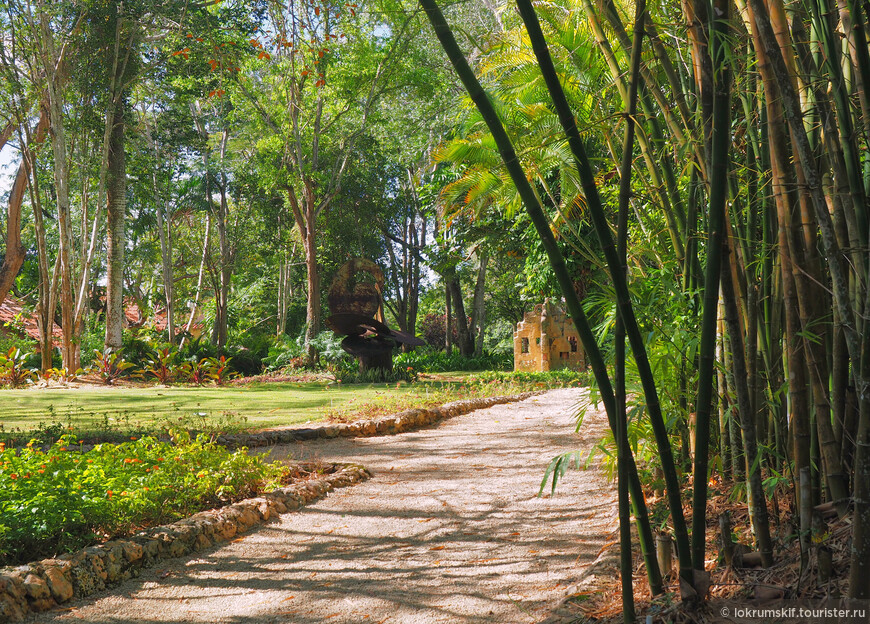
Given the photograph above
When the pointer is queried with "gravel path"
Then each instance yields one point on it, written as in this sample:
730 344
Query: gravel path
450 529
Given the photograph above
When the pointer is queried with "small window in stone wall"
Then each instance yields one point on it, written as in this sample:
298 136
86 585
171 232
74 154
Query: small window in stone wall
524 345
538 340
573 342
563 355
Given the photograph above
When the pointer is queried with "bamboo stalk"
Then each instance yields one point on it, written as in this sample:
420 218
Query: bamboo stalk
626 311
758 505
720 150
622 443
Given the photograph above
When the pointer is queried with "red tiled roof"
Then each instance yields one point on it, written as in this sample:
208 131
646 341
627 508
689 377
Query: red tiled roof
12 308
136 318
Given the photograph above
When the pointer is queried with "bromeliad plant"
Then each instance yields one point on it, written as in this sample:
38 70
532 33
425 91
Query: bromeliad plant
110 366
163 365
219 369
59 499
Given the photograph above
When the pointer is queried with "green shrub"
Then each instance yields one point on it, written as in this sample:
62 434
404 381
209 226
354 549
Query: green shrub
60 499
350 374
26 345
165 366
328 345
197 348
138 348
284 353
429 360
244 361
90 343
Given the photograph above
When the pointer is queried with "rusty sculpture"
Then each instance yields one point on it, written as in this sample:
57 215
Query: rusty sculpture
354 302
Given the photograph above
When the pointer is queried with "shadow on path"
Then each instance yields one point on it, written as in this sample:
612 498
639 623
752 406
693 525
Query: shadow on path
450 529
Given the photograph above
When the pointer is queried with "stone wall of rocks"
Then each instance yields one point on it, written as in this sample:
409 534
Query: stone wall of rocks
408 420
44 584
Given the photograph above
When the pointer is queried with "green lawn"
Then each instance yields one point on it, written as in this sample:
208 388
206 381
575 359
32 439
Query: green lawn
134 409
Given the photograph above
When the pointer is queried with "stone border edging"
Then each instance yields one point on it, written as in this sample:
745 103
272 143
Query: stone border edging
42 585
409 420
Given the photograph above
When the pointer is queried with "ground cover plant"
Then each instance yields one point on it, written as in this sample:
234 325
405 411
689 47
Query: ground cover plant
561 378
57 499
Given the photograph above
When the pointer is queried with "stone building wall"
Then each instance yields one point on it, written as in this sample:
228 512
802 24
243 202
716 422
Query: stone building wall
547 340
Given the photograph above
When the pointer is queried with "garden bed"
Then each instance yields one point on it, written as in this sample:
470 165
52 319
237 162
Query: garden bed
41 585
57 498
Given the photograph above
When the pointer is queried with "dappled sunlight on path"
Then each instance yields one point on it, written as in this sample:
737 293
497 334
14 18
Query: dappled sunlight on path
450 529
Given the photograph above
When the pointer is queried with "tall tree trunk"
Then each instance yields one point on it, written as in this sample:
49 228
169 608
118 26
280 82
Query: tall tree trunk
478 306
13 258
164 232
623 448
448 319
466 343
312 272
225 270
61 186
164 229
47 300
197 293
116 215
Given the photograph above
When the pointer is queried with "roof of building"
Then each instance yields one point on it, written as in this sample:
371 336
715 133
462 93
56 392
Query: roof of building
12 312
136 318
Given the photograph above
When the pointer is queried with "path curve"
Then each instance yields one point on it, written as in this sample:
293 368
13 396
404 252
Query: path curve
449 530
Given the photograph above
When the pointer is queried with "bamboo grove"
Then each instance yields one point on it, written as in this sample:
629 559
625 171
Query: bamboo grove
740 134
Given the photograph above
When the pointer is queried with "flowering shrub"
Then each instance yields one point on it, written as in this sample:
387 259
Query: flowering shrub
60 499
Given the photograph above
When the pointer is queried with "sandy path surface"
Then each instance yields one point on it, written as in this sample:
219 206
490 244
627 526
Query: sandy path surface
450 529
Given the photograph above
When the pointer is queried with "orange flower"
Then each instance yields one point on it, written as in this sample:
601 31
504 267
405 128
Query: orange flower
109 492
13 476
128 461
